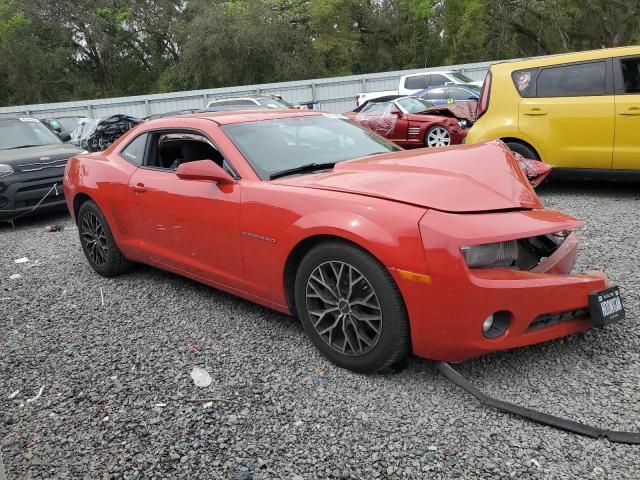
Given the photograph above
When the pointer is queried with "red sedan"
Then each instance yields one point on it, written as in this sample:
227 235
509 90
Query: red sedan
406 122
377 251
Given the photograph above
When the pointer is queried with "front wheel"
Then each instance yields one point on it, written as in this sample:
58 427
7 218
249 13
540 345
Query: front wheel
437 136
351 308
97 242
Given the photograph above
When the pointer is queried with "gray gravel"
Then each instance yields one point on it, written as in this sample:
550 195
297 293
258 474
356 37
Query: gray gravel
118 401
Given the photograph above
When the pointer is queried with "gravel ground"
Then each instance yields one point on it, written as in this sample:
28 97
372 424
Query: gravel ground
116 399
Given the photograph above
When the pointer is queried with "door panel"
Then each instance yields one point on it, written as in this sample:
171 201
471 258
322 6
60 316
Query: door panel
626 150
572 114
400 126
187 224
626 154
575 132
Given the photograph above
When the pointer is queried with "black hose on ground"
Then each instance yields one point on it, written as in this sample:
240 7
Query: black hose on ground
632 438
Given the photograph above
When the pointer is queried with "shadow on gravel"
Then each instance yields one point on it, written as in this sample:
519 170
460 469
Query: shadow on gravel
192 287
39 220
623 188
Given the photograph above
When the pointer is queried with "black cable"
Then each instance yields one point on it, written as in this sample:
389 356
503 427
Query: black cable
632 438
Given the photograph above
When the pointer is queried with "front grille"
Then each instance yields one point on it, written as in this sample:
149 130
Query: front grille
51 198
42 165
548 319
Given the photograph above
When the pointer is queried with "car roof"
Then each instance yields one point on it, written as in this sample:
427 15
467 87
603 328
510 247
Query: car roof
243 116
16 117
561 58
430 72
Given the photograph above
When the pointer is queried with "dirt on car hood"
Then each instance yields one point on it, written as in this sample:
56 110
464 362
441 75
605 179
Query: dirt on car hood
462 178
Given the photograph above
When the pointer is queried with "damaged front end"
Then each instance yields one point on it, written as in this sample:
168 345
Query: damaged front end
535 170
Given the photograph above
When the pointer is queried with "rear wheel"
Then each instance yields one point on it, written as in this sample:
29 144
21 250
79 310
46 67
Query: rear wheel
351 308
437 136
525 150
97 242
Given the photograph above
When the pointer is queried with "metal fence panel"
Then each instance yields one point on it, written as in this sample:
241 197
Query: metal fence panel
335 94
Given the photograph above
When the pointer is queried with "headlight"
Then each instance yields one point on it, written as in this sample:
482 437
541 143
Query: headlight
5 170
491 255
463 123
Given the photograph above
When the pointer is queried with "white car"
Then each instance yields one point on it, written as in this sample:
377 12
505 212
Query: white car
414 82
266 101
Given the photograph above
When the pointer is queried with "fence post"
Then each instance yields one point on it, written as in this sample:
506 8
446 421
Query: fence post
205 97
314 93
147 107
89 110
364 85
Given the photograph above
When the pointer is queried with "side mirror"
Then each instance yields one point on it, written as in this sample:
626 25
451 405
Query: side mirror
473 97
204 170
65 137
396 111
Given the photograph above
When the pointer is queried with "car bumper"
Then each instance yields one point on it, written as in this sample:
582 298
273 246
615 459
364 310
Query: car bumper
447 313
29 194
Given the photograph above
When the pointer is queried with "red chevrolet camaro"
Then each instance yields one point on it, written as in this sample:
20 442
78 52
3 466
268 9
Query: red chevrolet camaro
447 253
407 122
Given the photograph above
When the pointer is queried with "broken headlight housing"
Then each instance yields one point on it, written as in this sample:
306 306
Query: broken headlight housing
491 255
5 170
523 254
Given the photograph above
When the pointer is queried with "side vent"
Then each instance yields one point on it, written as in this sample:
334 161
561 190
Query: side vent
118 219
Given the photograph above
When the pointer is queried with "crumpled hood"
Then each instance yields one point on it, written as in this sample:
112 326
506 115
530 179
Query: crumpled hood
461 178
53 152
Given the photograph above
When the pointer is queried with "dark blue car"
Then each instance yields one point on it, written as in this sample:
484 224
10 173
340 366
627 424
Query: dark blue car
447 94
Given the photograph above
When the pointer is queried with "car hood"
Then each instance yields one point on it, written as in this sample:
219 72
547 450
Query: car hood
55 151
462 178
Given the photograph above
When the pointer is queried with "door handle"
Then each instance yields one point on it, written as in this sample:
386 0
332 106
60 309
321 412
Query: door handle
535 112
139 188
632 111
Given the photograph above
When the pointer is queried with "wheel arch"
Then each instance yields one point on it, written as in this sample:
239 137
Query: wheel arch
78 201
299 251
523 142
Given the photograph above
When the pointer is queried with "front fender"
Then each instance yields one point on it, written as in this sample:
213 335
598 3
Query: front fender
272 230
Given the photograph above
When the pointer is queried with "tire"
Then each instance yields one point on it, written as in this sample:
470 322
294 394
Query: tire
370 322
524 150
437 136
97 242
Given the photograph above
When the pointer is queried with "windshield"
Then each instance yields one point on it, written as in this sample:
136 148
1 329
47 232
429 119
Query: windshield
274 103
271 146
25 132
460 76
413 104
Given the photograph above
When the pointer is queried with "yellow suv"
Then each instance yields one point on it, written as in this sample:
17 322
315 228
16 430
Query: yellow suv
575 110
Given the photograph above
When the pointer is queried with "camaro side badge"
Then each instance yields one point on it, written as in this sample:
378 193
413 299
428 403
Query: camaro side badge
255 236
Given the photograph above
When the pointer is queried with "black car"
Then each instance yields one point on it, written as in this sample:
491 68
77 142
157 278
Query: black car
32 161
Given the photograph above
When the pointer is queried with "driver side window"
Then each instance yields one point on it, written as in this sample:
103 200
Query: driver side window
167 150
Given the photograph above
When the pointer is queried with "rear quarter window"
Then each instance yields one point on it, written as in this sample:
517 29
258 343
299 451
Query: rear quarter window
134 152
523 80
575 80
417 82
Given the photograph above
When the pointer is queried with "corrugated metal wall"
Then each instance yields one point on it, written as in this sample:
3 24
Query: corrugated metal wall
332 94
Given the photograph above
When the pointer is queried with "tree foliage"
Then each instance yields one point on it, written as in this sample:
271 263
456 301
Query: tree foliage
53 50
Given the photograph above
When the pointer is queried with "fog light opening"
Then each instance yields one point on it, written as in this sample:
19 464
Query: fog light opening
496 324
